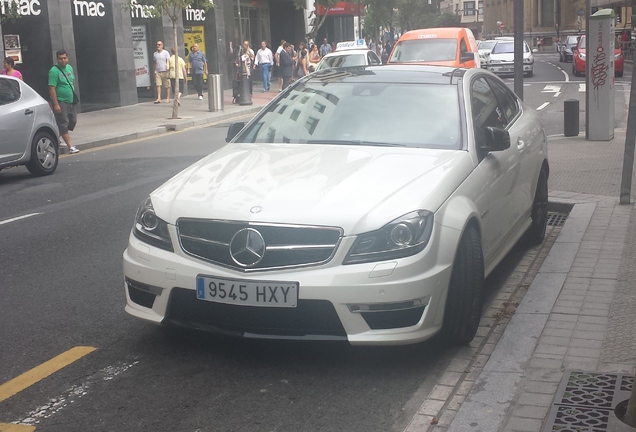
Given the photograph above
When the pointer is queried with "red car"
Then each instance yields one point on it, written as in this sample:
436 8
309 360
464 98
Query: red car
578 61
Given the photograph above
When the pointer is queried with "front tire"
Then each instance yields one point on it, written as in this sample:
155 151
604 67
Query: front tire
539 214
44 155
465 292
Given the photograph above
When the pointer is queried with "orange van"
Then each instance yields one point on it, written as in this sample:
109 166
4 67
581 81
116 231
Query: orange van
445 46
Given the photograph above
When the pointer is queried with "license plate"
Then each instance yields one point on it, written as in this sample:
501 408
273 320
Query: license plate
247 292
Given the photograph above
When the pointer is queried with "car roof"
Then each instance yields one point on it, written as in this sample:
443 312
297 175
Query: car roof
347 52
440 32
420 74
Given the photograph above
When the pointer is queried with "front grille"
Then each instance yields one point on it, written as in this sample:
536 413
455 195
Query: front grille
309 318
285 245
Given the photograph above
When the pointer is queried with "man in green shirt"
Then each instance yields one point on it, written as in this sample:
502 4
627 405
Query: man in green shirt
61 78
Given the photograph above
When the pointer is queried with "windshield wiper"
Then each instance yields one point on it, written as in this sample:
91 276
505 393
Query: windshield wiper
356 142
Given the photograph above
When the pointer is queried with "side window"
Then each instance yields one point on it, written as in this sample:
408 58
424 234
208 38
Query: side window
373 59
507 101
9 91
463 48
486 110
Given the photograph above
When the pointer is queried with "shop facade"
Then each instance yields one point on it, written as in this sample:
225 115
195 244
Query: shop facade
110 43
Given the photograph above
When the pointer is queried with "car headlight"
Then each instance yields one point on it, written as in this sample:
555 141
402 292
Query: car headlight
405 236
568 51
527 60
582 56
617 56
150 229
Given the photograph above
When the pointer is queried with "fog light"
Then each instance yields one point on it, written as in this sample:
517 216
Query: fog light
387 307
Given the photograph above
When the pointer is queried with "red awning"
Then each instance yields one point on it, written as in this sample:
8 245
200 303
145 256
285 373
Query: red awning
341 8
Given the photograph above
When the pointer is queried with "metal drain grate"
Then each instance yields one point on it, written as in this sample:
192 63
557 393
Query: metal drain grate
585 401
556 219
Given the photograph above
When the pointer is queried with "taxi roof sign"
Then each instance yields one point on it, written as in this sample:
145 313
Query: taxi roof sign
356 44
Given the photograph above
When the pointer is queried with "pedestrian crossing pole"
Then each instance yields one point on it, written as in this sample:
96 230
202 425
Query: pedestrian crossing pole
518 47
628 157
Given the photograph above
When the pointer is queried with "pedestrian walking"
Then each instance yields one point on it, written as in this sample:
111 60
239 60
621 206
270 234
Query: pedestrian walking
314 58
246 60
9 69
277 64
325 48
286 64
264 60
161 58
198 66
177 73
63 97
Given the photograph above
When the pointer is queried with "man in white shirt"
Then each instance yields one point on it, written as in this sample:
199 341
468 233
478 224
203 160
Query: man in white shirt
264 60
161 57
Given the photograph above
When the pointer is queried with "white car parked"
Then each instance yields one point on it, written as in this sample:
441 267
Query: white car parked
347 209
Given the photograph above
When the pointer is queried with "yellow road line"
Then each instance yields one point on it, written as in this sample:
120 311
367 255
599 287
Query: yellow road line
10 427
40 372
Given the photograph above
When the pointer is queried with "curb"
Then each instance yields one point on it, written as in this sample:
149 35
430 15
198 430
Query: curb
180 124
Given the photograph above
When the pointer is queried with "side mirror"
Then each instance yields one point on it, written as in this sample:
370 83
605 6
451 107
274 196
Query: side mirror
234 129
467 56
497 139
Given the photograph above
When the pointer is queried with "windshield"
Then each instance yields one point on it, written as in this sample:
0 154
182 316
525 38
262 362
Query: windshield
424 50
484 45
363 113
344 60
572 40
508 47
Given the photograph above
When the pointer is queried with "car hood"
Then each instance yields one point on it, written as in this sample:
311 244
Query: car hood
357 188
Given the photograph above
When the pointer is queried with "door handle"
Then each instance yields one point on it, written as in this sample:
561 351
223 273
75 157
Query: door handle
520 144
28 111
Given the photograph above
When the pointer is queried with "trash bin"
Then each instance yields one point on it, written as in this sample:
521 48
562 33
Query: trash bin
571 117
215 93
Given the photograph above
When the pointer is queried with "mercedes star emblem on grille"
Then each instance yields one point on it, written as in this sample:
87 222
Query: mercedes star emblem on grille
247 247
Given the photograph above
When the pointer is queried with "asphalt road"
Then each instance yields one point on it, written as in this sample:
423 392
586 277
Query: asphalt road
553 83
61 286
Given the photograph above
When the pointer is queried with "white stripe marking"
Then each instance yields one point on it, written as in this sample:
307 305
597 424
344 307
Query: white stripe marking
582 87
18 218
557 94
543 105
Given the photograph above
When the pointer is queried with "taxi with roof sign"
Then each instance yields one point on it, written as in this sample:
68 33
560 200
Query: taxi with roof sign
350 53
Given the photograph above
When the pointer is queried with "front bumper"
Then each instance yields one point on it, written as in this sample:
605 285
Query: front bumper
508 68
161 288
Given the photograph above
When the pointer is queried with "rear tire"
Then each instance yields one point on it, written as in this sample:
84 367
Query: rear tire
44 154
465 292
539 214
619 74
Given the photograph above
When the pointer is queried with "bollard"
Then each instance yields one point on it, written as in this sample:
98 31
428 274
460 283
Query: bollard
215 93
571 117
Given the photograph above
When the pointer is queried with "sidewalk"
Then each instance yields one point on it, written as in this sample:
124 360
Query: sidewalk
109 126
576 312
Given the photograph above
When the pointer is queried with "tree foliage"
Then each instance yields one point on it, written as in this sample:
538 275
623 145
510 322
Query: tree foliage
9 11
405 15
319 19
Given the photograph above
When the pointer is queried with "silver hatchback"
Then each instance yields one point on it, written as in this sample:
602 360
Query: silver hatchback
28 131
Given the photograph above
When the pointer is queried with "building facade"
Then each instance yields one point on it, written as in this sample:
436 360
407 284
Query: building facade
110 43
